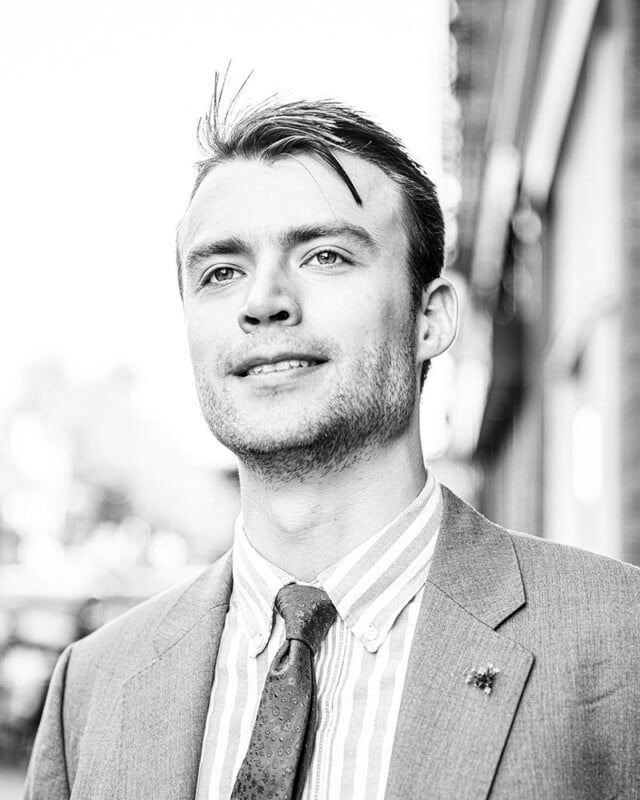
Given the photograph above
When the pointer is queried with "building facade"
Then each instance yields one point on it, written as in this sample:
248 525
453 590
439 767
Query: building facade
550 245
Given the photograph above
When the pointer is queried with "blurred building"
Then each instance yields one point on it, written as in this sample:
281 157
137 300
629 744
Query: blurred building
549 241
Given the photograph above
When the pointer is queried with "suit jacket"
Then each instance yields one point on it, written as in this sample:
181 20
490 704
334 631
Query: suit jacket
126 710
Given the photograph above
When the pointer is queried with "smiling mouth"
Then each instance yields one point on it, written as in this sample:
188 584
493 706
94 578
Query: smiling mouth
281 366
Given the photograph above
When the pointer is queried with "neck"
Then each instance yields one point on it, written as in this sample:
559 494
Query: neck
306 525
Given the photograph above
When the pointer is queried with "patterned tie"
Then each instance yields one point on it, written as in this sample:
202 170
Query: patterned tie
276 763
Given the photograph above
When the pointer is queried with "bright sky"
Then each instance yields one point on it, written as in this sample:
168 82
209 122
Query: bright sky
100 103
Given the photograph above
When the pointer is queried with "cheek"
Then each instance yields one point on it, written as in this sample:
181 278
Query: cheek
204 335
382 312
366 312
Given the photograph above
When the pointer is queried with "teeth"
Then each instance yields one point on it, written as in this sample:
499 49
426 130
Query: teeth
279 366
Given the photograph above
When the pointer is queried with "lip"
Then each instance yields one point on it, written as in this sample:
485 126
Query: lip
244 366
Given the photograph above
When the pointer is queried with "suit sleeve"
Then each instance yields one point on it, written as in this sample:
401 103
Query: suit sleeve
47 777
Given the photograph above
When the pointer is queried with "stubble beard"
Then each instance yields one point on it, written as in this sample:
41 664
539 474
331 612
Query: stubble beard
360 416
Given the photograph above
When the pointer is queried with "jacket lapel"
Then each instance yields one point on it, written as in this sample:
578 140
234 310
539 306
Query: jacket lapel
164 705
450 734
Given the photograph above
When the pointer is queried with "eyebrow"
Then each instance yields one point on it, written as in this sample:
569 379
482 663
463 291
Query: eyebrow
232 246
287 239
307 233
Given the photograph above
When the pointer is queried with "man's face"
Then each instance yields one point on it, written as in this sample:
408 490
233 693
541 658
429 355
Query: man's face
298 310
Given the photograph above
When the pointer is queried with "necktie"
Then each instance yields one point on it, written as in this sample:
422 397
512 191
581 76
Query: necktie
281 744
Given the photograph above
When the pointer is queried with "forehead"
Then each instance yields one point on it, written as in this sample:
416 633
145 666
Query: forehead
252 197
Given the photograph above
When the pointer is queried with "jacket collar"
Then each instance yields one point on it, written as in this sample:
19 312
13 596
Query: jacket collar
475 564
209 591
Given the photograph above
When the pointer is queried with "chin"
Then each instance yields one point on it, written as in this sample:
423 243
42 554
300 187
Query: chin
265 437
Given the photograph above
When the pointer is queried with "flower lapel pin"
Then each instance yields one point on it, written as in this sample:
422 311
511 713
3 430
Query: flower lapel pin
483 678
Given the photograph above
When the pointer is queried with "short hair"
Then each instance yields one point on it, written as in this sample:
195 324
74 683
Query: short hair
275 128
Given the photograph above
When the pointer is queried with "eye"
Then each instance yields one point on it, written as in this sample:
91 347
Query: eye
222 275
326 258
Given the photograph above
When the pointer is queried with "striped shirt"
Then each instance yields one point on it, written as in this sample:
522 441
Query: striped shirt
360 667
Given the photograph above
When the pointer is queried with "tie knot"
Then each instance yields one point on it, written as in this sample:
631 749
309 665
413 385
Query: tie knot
307 612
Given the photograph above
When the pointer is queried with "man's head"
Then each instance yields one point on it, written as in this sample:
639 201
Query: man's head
309 260
325 129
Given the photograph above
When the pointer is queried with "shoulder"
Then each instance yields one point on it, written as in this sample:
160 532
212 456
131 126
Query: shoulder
579 597
542 561
119 646
89 680
559 582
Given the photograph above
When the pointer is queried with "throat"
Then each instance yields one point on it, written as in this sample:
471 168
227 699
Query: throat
304 527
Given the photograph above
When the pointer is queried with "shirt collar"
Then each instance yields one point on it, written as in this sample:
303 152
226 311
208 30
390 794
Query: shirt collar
256 583
369 587
372 585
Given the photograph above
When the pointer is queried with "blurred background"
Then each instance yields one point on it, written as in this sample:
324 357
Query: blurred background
526 114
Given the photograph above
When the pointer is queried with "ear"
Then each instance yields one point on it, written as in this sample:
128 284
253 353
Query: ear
438 319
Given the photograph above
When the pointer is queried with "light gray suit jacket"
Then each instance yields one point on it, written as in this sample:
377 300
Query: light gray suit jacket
126 710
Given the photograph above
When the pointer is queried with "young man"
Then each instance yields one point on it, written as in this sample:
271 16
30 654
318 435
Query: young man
369 635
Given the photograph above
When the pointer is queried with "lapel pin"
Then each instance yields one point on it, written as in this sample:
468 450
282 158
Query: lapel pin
483 678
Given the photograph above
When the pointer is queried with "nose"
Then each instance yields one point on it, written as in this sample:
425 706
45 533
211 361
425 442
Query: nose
271 300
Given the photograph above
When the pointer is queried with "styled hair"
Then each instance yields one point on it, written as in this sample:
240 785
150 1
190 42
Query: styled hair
275 128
